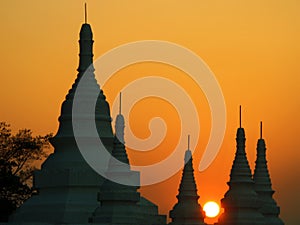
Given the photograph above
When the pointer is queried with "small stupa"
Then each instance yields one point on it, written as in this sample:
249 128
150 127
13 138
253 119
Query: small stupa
147 209
263 185
122 204
187 211
118 202
240 202
67 186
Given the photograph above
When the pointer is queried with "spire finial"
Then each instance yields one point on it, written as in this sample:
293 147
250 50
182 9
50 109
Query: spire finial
85 13
120 103
240 116
188 142
260 129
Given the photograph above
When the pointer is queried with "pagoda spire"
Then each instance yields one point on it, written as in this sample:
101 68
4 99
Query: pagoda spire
240 116
120 103
240 201
187 211
263 186
89 91
85 13
86 48
120 123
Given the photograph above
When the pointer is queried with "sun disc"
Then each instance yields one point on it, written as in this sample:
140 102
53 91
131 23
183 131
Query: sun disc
211 209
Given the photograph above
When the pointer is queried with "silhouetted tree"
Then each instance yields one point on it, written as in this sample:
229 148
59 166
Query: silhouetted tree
18 154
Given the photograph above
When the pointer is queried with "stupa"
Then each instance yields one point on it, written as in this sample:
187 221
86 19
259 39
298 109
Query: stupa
119 203
187 211
241 202
263 185
67 186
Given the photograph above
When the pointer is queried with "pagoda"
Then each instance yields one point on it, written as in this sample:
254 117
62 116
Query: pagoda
241 202
263 185
187 211
67 186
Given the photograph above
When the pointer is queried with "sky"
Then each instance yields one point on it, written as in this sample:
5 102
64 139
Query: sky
252 47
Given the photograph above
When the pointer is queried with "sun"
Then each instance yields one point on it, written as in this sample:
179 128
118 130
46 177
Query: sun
212 209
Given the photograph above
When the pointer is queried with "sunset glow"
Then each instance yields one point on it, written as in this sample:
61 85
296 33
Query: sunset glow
252 47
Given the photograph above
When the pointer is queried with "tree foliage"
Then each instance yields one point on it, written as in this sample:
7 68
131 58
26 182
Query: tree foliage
18 156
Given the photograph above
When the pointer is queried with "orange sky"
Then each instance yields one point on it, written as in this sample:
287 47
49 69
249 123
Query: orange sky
252 47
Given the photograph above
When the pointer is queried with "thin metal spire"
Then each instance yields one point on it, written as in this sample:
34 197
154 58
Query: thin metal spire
260 129
120 103
240 116
188 142
85 13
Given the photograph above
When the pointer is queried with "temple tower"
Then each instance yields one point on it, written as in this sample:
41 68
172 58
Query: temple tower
263 186
187 211
240 202
121 204
67 186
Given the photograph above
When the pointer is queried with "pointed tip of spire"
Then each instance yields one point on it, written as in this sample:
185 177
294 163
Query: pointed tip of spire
120 103
261 145
240 116
240 130
188 153
260 129
85 13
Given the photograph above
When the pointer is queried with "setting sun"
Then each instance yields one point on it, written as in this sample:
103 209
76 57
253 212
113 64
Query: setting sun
211 209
